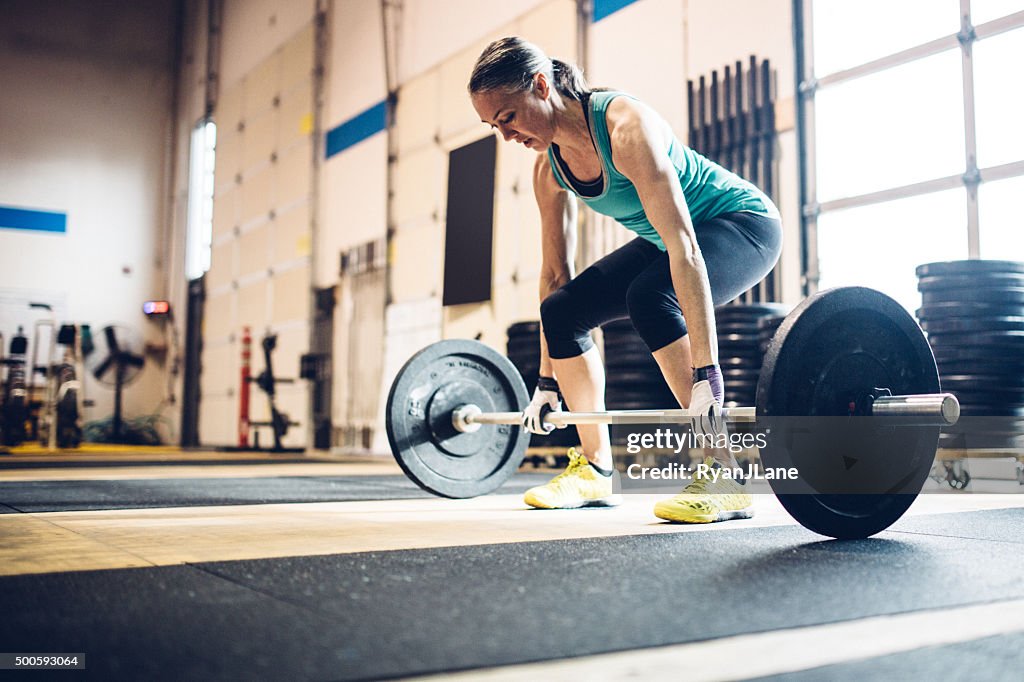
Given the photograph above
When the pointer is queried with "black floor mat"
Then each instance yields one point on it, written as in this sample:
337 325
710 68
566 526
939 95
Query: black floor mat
380 614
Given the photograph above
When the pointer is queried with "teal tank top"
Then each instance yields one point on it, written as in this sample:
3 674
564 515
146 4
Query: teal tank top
709 189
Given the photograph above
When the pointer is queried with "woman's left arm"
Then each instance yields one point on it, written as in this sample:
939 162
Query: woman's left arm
638 140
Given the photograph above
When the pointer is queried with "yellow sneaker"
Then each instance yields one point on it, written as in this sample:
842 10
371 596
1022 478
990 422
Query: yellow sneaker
578 486
706 500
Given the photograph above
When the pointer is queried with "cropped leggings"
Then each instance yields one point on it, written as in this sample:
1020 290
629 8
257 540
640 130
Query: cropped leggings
634 281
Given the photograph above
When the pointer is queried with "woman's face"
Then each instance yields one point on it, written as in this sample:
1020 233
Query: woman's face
523 117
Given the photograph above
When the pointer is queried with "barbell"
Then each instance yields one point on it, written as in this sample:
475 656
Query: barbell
848 395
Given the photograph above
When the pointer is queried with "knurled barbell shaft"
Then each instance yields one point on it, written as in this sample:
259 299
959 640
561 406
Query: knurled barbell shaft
934 409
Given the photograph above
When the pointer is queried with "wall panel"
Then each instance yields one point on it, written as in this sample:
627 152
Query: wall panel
271 203
228 154
354 199
259 138
294 174
219 314
418 256
229 112
419 184
420 100
254 30
224 255
219 420
253 251
295 120
641 50
291 295
291 234
258 194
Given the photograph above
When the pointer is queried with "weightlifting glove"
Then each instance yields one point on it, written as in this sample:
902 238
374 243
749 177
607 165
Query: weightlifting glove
546 398
706 401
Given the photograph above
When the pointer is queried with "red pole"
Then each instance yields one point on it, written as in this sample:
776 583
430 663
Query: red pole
243 399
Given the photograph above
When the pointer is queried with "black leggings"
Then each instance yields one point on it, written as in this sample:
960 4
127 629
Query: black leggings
634 281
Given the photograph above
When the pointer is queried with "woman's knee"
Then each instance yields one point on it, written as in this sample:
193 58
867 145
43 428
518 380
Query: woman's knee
554 311
655 314
647 299
565 334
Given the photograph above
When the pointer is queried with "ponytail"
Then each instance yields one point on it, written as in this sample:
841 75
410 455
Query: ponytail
511 63
569 80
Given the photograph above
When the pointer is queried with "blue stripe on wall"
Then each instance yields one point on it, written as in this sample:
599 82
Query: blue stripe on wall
28 219
604 8
357 129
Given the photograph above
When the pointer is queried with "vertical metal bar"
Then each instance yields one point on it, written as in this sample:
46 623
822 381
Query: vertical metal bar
391 17
739 139
715 148
971 176
691 115
727 137
804 50
701 143
767 126
321 58
753 134
770 137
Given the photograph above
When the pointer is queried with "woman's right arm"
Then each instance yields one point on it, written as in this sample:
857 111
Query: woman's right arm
558 240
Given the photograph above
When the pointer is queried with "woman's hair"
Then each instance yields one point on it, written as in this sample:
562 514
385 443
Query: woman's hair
511 63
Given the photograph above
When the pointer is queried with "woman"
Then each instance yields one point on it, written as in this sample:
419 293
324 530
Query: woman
705 236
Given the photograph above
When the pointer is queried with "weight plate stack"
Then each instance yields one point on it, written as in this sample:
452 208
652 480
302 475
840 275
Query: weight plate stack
633 379
766 328
740 347
524 352
973 313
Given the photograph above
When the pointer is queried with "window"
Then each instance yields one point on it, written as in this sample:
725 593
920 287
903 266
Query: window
1001 219
199 236
841 29
882 130
880 244
909 124
999 98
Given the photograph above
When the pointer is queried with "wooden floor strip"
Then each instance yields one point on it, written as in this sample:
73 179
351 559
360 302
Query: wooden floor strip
153 471
86 540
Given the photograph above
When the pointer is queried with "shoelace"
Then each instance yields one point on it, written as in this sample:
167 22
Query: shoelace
576 462
697 485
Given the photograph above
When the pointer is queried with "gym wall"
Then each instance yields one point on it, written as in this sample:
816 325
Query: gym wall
353 205
85 130
260 274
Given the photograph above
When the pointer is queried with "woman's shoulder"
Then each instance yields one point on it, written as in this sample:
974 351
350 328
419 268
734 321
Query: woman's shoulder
626 117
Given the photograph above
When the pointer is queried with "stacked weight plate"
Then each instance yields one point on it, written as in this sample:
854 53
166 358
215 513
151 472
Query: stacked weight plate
766 328
524 352
973 312
740 348
633 379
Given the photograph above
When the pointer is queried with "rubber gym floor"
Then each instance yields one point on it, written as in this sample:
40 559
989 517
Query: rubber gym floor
161 564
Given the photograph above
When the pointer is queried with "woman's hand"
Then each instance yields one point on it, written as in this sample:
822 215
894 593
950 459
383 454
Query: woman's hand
546 398
706 400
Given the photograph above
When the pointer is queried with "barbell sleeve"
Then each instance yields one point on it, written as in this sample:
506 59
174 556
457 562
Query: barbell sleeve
941 409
